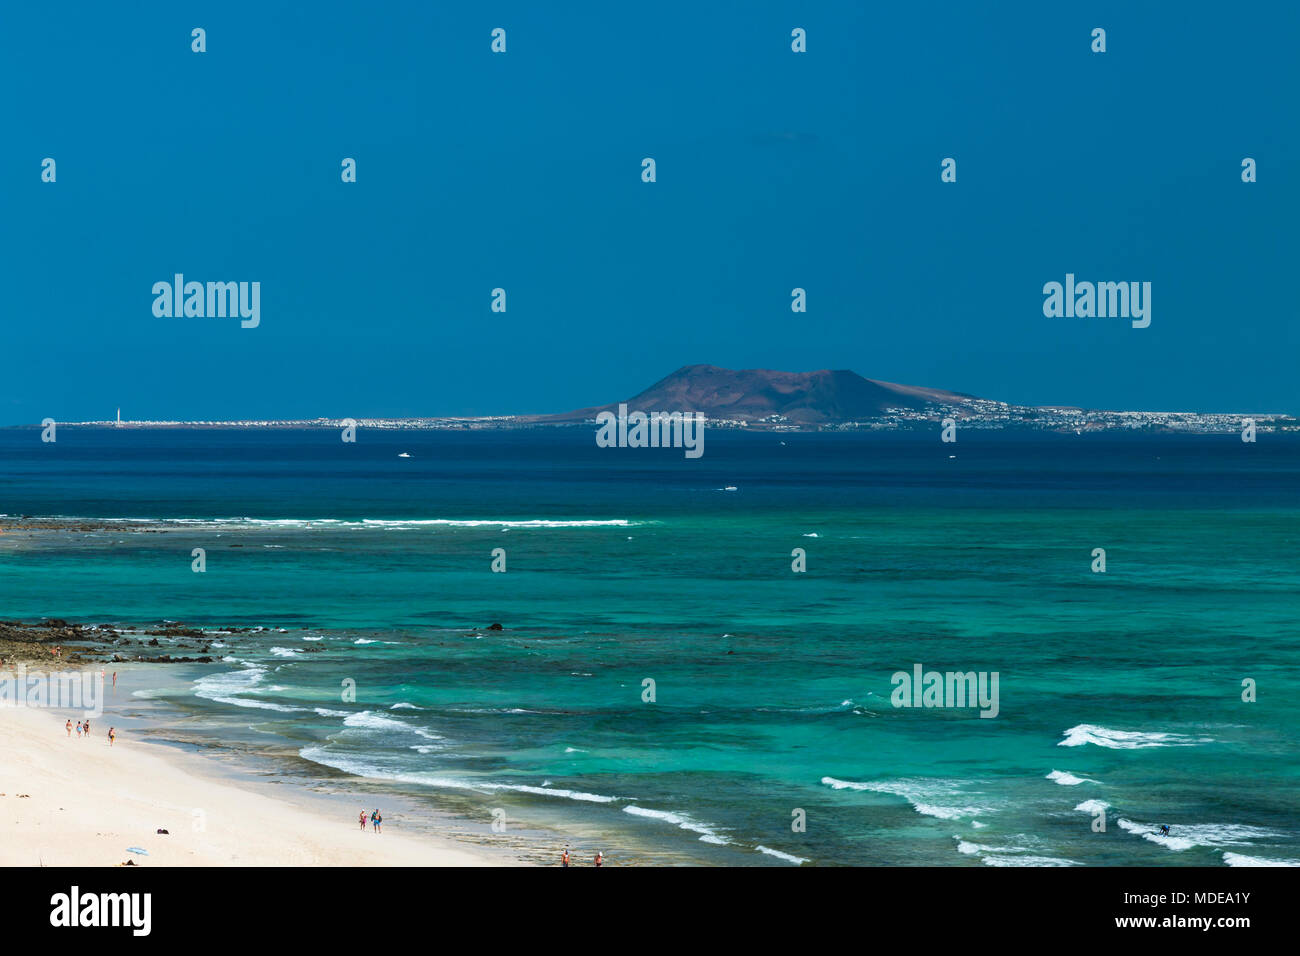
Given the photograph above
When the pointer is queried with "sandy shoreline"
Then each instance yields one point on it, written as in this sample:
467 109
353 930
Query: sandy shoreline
86 802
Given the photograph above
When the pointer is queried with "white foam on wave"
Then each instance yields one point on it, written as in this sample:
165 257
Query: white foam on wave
402 705
325 712
258 704
1082 734
285 652
973 849
223 687
1067 779
1152 833
932 798
680 820
358 767
996 860
378 523
558 792
1240 859
229 682
1015 855
369 720
361 525
1185 836
788 857
508 523
1093 806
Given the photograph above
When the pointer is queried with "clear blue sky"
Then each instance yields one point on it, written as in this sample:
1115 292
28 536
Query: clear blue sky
522 170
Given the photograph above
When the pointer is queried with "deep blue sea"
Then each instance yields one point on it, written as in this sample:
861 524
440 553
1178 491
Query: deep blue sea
664 686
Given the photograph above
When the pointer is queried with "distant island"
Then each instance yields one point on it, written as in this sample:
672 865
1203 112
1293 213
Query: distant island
826 400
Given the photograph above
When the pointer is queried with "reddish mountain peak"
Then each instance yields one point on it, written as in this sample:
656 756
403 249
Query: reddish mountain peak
826 395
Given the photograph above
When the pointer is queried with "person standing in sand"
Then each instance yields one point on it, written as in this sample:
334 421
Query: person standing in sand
68 725
564 858
78 730
112 735
600 858
86 727
377 821
363 818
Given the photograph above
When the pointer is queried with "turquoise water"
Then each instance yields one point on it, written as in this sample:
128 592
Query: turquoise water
772 688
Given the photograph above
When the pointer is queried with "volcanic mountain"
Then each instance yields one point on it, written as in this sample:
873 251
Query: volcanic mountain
805 398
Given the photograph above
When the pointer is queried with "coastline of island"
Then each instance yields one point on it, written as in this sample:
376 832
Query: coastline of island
74 800
764 400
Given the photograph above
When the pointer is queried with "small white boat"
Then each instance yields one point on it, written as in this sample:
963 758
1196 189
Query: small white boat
404 455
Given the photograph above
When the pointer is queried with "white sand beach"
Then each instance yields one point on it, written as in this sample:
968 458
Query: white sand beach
71 802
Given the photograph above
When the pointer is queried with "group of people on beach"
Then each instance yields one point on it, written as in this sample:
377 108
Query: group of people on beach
376 820
83 730
565 861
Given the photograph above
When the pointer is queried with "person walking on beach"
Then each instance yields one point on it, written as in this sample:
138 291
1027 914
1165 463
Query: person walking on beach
69 726
86 728
564 858
78 730
377 821
112 735
115 680
363 818
600 858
